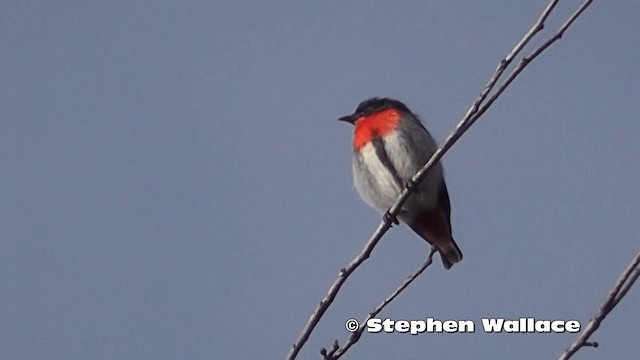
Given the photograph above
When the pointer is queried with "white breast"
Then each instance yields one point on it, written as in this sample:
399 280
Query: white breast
373 181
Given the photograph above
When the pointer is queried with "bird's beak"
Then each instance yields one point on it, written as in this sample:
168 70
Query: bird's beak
349 118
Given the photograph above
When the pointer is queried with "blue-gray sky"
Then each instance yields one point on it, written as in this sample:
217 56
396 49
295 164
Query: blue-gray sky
174 183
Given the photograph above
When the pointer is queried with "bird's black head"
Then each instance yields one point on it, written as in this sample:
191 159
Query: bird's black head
372 106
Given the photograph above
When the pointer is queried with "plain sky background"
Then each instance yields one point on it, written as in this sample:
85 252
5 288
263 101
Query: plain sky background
174 184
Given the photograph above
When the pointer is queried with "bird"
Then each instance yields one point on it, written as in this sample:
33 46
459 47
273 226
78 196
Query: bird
390 144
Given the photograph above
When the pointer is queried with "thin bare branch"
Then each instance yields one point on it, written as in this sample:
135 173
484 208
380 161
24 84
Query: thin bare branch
521 66
625 288
620 289
337 353
506 61
474 112
335 287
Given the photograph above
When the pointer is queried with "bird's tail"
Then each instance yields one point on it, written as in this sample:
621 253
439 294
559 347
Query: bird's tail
451 254
433 226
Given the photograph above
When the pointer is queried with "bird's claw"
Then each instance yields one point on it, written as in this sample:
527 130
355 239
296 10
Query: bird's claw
391 219
412 186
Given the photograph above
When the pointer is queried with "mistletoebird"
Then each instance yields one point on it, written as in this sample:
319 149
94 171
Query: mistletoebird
390 145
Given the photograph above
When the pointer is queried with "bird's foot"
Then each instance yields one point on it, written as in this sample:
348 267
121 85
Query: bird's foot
412 186
391 219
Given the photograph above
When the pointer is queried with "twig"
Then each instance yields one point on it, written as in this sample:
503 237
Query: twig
620 289
504 63
335 287
474 112
337 353
527 60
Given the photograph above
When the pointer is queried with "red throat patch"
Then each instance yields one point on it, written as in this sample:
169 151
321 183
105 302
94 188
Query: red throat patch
378 124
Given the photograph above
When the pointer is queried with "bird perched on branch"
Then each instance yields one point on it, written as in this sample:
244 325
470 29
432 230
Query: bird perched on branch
390 145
